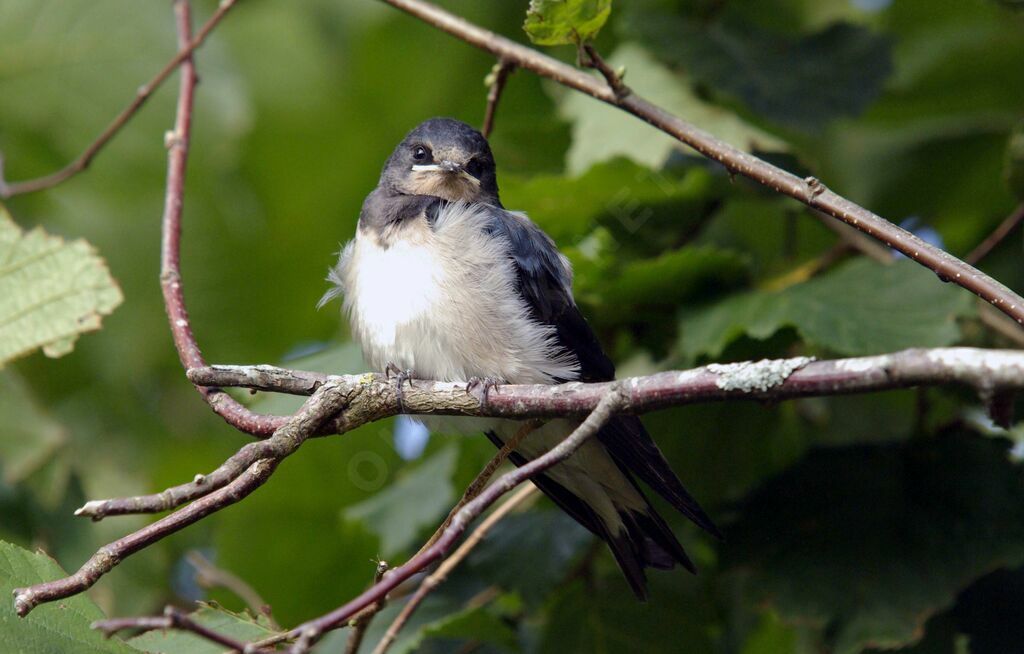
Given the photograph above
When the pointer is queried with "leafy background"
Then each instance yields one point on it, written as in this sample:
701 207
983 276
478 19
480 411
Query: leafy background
883 521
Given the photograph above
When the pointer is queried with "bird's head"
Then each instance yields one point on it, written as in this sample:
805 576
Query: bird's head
444 158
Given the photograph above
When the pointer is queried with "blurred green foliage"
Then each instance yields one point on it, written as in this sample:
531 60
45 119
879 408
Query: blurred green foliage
889 520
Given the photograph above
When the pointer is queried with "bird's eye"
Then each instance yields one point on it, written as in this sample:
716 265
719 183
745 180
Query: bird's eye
475 168
420 153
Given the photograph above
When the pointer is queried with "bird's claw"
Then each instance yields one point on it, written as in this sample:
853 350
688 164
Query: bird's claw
484 383
401 376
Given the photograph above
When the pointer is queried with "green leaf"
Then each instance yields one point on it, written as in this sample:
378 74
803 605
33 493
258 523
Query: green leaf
50 291
636 203
527 552
474 624
414 501
1013 168
559 22
861 308
59 627
240 626
601 132
867 542
30 437
610 619
800 81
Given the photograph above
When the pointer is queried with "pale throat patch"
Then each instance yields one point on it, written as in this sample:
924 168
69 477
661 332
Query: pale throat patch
447 186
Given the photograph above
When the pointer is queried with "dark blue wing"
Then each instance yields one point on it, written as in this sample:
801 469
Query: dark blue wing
545 282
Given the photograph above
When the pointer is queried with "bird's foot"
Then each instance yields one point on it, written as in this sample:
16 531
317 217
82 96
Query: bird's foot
401 376
485 384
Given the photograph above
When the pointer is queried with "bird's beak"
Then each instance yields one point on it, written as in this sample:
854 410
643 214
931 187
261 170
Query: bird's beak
448 167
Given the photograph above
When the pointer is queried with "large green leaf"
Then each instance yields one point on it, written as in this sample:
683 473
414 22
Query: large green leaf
558 22
56 628
412 502
610 619
867 542
798 81
601 132
861 308
527 552
50 291
240 626
30 436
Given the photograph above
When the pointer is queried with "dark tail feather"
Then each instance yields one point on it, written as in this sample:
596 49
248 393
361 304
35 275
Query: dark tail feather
633 448
646 541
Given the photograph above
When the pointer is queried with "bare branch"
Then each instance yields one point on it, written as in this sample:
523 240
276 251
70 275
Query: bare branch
497 79
327 400
9 189
361 622
524 494
309 632
177 142
810 191
997 236
171 619
209 575
480 481
775 380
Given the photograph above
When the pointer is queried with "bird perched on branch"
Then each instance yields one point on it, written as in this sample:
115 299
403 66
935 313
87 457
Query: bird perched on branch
443 282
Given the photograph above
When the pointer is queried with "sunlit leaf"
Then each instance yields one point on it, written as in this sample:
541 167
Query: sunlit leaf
601 132
861 308
50 291
57 627
558 22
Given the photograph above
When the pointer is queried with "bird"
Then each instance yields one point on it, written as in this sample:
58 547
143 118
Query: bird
442 282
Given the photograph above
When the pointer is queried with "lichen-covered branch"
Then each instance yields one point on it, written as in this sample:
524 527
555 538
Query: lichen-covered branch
810 191
373 396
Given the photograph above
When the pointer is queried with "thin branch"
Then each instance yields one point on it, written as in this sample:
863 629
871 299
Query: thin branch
997 236
810 191
171 619
177 142
524 494
372 396
209 575
496 82
480 481
309 632
328 399
590 58
9 189
987 314
361 622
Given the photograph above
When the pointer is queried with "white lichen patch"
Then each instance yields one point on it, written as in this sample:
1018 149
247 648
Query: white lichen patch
863 364
749 376
962 360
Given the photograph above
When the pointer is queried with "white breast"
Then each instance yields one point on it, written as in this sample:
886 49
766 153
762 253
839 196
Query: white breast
442 301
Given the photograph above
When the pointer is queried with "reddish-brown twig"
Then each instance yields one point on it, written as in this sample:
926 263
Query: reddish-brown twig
498 78
996 237
171 619
810 191
524 494
9 189
309 632
326 401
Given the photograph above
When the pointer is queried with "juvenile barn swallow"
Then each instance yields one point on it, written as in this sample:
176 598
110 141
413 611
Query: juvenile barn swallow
443 281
